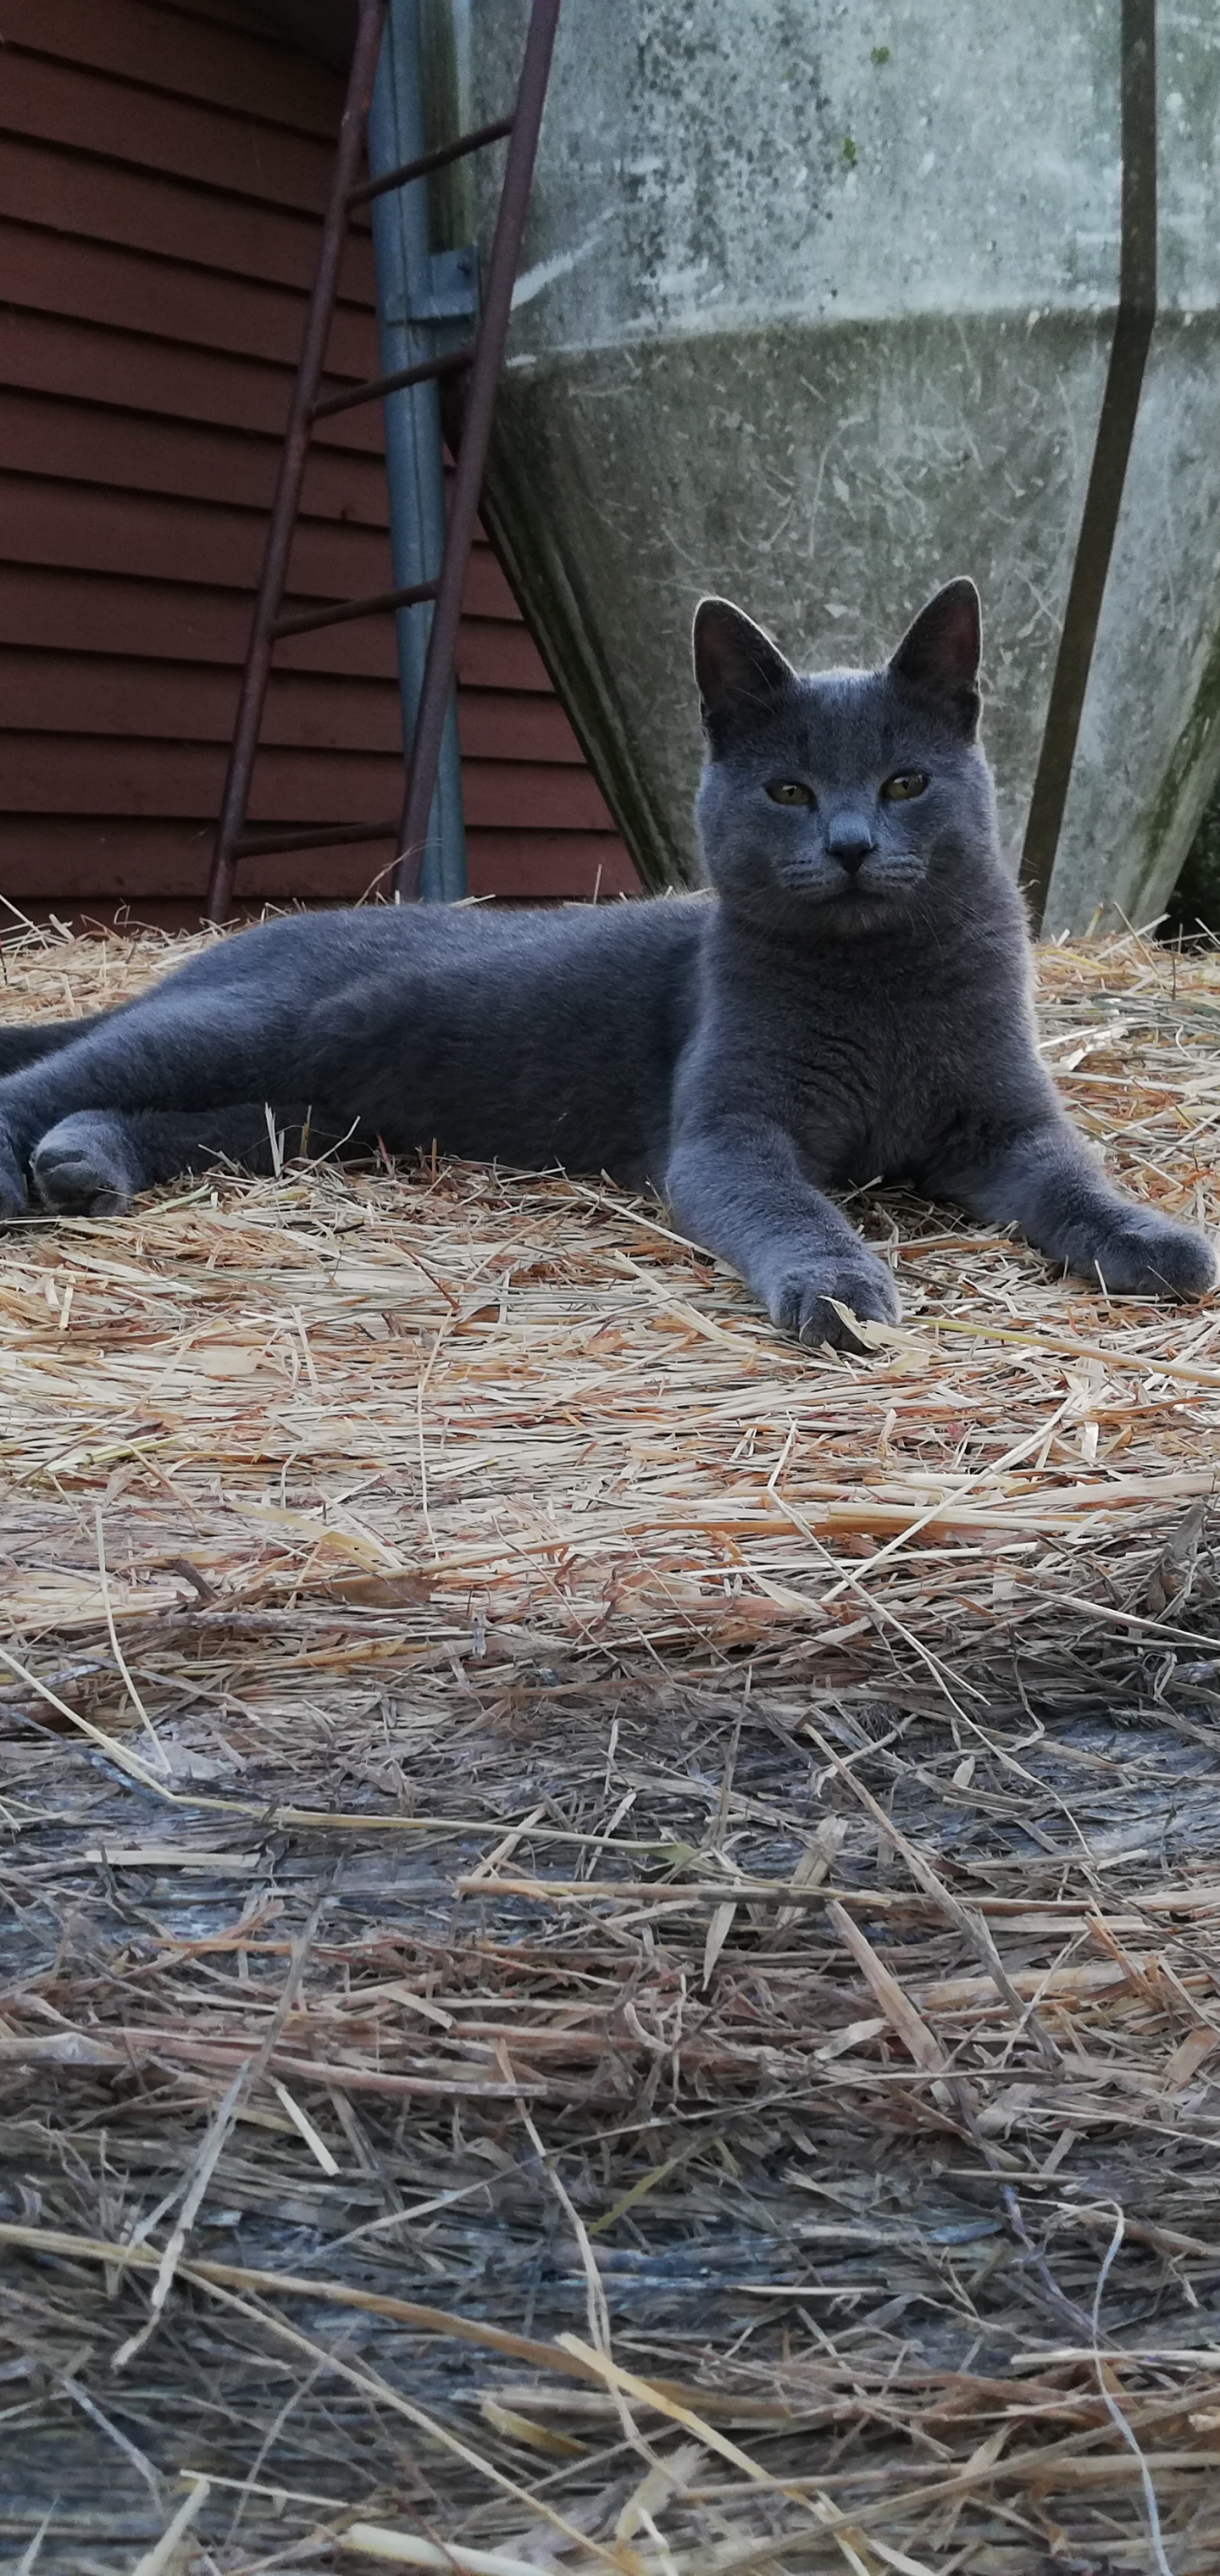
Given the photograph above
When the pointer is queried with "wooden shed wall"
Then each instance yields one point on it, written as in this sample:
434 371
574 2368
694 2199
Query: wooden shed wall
163 167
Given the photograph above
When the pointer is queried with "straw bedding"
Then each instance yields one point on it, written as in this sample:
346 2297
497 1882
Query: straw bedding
610 1927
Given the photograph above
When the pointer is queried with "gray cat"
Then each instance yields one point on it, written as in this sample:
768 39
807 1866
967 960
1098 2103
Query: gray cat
853 1003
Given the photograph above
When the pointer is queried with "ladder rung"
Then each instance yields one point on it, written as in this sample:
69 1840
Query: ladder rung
438 160
254 845
422 374
341 610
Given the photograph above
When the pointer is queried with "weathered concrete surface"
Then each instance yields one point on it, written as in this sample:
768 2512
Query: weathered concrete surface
815 309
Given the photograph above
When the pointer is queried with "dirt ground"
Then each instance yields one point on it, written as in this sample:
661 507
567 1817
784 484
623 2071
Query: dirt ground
609 1950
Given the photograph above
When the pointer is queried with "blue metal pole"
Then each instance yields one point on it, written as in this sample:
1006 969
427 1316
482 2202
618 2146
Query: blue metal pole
424 305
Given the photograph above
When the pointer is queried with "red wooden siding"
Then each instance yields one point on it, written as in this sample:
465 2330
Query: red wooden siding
164 165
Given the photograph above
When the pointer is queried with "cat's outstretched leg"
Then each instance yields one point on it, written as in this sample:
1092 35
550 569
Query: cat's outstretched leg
1044 1180
25 1042
740 1189
197 1055
94 1162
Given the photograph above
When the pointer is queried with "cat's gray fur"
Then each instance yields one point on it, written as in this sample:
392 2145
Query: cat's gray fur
852 1003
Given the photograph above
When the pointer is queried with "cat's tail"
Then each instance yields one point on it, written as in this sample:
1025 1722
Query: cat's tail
24 1041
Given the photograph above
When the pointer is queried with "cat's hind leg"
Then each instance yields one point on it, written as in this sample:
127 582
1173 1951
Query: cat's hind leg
25 1042
96 1161
184 1053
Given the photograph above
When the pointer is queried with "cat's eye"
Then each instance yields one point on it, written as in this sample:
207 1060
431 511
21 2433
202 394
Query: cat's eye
789 791
905 783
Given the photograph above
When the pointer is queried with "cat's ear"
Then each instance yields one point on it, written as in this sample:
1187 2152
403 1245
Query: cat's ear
738 669
939 654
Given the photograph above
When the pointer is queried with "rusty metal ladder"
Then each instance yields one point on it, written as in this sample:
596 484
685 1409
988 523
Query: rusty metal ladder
479 359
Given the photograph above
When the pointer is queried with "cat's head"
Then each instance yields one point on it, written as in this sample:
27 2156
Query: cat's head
841 801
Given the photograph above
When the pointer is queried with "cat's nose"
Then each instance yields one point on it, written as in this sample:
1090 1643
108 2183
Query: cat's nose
849 839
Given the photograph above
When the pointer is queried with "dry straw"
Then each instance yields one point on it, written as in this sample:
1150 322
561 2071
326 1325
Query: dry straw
605 1911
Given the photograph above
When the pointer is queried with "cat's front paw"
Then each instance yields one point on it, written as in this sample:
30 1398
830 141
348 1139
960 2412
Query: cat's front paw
84 1167
802 1303
1149 1256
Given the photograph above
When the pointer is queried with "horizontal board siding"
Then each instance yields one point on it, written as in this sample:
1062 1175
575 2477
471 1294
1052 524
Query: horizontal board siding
47 692
87 443
169 51
126 290
181 138
201 543
48 353
162 170
80 612
40 183
93 864
49 773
